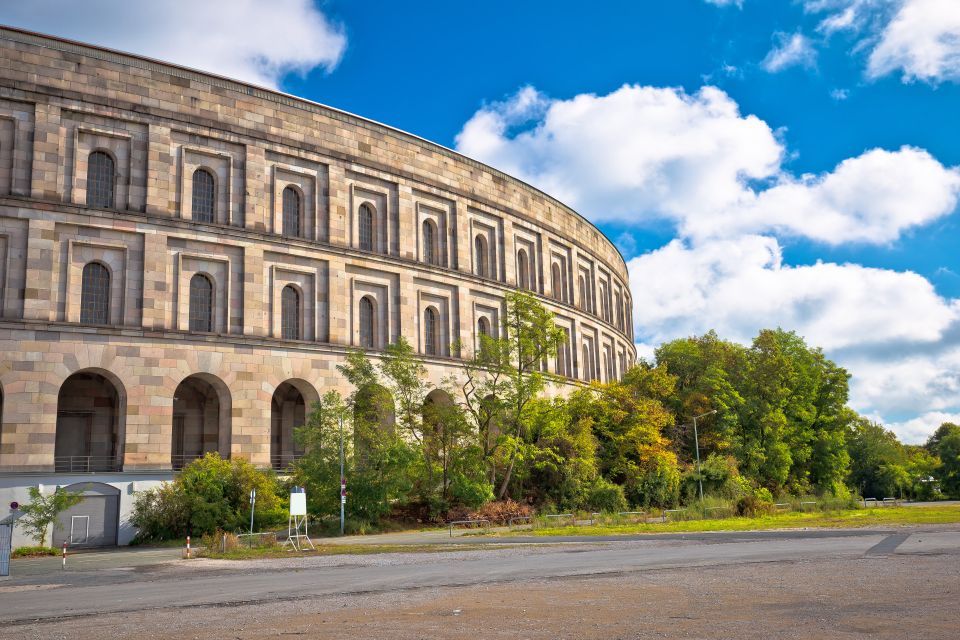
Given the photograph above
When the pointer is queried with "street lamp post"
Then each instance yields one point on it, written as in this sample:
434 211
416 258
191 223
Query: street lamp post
343 481
696 444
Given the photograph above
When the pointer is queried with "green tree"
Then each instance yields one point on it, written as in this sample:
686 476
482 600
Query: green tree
503 377
318 470
43 511
946 443
628 419
876 458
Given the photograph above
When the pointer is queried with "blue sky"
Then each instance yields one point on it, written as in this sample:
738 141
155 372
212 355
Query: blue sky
760 163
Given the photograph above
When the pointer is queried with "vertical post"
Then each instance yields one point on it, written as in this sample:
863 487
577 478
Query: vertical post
188 547
696 444
343 480
253 505
64 556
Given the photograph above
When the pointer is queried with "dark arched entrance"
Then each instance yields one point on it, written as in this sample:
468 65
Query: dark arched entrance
89 424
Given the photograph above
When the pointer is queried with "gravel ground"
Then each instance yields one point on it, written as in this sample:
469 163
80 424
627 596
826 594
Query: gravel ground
897 596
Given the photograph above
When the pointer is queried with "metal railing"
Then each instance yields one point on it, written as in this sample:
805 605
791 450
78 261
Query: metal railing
481 521
282 462
86 464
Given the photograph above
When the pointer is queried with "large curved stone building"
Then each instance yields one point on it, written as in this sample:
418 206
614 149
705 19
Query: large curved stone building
185 258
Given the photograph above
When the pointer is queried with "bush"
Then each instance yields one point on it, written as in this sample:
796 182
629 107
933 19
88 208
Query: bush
472 494
210 494
606 497
34 552
758 503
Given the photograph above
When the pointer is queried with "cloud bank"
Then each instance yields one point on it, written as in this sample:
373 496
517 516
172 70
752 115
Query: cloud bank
643 154
258 42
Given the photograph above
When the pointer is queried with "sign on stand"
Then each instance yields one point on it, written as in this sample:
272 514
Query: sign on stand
297 535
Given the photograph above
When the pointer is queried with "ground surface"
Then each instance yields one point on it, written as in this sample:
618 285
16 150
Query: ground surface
891 583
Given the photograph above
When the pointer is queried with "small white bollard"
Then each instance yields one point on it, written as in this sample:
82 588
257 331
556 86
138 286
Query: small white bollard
188 547
64 556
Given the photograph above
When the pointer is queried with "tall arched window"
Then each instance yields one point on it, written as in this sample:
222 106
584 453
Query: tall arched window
367 325
481 257
366 227
204 197
483 327
556 281
618 307
523 270
430 253
201 303
584 303
291 212
430 333
95 294
101 176
290 313
562 355
587 364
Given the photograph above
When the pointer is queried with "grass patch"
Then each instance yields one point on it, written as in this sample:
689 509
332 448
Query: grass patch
254 553
34 552
945 514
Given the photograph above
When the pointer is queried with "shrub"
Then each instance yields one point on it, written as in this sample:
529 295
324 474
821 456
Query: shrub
470 493
210 494
33 552
606 497
758 503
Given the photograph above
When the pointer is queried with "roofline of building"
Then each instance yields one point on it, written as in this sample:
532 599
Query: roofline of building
42 40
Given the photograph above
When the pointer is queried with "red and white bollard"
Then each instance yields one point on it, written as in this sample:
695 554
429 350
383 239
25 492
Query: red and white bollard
64 556
188 547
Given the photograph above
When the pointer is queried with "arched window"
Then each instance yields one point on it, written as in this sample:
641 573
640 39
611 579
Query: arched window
483 327
291 212
523 270
480 256
290 313
204 198
95 294
584 303
101 176
618 307
562 356
430 333
556 281
201 303
587 364
367 325
430 252
366 227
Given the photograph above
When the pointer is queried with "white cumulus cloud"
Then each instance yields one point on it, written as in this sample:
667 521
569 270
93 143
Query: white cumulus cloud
922 41
642 153
790 50
919 39
890 329
258 42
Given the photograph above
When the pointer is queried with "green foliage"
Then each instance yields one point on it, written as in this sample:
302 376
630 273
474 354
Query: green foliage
781 408
877 459
501 381
43 510
605 497
945 442
33 552
209 494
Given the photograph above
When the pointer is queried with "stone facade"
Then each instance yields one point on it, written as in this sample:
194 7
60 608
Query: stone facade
446 236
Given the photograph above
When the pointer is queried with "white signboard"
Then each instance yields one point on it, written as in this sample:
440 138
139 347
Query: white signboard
298 504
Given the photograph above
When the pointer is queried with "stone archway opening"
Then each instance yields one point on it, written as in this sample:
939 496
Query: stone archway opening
89 434
289 409
201 419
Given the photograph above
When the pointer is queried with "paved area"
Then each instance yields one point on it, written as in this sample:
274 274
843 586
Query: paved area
606 584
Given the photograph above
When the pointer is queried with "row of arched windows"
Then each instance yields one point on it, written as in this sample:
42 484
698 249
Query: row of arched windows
101 185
